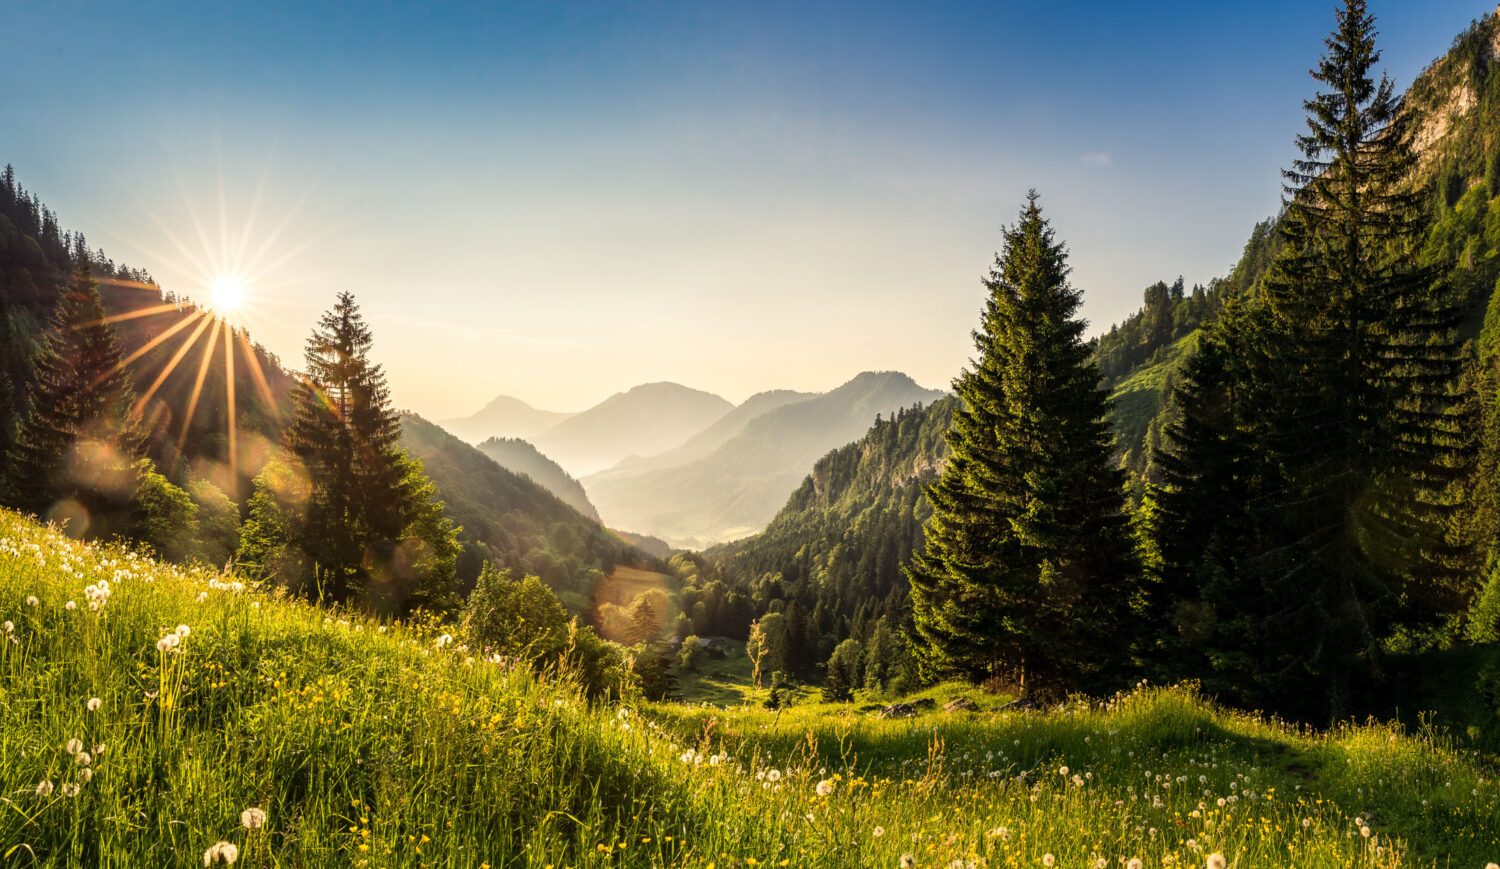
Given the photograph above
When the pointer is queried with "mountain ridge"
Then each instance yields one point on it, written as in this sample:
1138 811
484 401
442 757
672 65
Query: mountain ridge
737 488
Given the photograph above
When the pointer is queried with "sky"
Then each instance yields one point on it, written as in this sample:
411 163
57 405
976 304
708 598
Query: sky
558 201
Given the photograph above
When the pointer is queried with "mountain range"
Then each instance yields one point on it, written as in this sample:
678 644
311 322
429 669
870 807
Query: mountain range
730 480
504 417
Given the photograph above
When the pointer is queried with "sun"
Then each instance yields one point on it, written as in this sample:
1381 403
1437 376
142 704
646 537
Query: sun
227 295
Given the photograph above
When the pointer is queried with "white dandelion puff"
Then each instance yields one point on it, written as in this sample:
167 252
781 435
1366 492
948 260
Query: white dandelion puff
221 854
71 790
94 704
908 861
44 788
74 746
31 600
253 818
70 605
183 631
825 787
878 832
1216 861
1049 860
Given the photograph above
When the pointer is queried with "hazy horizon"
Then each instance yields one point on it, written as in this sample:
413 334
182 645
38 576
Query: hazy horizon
559 202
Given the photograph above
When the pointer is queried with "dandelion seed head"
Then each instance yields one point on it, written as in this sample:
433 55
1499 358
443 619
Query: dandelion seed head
1216 861
71 790
74 746
31 600
94 704
221 854
253 818
183 630
1049 860
44 788
825 787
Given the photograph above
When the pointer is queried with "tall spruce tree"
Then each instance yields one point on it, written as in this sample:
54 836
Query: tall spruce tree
1334 420
345 435
75 451
1028 571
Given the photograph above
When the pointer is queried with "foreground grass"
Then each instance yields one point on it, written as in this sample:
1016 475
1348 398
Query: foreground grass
373 746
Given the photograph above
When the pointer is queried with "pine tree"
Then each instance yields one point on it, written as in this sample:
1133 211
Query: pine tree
1206 614
1313 488
645 626
345 435
75 451
1028 570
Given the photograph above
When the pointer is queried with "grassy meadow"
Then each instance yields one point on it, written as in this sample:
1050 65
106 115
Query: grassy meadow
156 716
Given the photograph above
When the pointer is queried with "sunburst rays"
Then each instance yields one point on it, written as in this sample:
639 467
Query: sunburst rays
223 269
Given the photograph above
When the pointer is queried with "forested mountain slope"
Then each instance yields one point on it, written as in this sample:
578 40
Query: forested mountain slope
830 562
519 456
513 522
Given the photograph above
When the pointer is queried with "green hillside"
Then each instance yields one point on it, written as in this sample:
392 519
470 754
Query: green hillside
513 522
301 737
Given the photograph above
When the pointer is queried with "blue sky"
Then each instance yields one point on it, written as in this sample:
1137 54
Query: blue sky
560 200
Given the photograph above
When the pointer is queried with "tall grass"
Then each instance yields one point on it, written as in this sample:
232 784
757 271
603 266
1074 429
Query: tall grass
382 746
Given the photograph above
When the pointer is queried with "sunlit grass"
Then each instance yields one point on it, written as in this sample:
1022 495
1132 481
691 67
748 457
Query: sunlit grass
375 745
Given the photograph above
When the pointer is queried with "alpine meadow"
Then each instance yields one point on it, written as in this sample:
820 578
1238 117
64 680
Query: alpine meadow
361 519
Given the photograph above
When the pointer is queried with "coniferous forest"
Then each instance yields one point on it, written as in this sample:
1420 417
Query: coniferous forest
1215 585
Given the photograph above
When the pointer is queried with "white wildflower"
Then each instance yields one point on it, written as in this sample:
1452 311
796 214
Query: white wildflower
825 787
94 704
878 832
1216 861
31 600
183 631
74 746
44 788
253 818
1049 860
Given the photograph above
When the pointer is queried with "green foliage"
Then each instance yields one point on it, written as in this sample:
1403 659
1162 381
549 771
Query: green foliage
518 619
163 516
1028 572
76 449
845 672
218 523
690 655
1483 623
